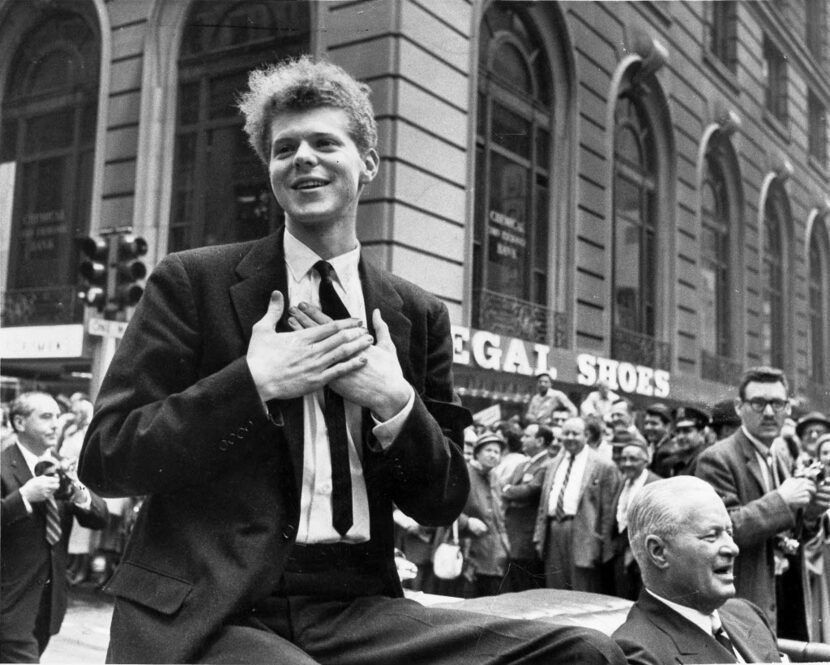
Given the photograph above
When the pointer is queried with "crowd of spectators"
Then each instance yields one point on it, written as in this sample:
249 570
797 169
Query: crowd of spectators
551 487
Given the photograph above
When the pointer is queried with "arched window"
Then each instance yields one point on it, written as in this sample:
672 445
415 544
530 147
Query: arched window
220 188
719 250
635 224
773 324
513 157
49 118
819 299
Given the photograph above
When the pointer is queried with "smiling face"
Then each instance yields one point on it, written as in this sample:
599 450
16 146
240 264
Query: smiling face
573 435
700 558
39 430
632 461
654 429
317 172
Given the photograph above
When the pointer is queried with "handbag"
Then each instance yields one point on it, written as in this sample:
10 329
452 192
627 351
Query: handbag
448 561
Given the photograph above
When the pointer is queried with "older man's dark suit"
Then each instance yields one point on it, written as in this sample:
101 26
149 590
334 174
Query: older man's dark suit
654 634
179 419
27 561
731 467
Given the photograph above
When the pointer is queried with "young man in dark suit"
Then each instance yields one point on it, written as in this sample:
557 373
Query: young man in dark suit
274 437
36 521
681 536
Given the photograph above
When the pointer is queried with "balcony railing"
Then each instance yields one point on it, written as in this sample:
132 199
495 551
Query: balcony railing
503 315
50 305
640 349
720 368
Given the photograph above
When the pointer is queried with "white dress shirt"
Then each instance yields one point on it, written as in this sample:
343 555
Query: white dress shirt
629 491
315 502
31 461
571 498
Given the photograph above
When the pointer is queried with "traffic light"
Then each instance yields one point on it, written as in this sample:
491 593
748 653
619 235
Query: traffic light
93 270
128 270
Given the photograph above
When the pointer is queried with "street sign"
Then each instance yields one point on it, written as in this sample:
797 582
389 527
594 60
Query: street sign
106 328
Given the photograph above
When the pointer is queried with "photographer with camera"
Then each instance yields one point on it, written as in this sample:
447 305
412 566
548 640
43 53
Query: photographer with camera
40 495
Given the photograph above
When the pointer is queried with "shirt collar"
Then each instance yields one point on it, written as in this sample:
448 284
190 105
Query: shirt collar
699 619
760 446
300 258
30 458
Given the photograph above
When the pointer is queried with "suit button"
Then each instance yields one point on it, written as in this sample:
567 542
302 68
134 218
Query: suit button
289 531
223 445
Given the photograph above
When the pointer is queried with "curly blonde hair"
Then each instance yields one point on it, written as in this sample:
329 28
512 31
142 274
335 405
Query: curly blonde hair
299 84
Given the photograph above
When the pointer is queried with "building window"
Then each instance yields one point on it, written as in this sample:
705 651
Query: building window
816 128
49 117
513 157
722 33
715 335
819 300
816 27
773 323
775 81
635 224
221 191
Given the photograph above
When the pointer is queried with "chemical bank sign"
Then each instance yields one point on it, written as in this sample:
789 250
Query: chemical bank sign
499 353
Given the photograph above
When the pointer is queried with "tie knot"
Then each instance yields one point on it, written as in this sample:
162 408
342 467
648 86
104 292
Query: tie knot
325 270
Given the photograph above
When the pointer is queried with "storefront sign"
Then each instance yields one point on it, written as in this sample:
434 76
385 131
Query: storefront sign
105 328
65 341
622 376
487 350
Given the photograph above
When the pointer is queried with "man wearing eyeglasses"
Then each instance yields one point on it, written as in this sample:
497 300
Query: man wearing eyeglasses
765 503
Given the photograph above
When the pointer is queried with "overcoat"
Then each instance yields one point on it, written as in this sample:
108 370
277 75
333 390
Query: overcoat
731 467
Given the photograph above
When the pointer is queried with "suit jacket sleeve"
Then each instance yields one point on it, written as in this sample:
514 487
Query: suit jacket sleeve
163 410
94 517
429 473
754 522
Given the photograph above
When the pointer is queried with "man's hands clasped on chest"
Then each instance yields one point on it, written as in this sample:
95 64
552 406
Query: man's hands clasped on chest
378 384
292 364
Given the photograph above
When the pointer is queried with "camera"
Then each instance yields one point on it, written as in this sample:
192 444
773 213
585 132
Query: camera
60 469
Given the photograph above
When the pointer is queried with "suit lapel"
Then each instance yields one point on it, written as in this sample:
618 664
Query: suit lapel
378 293
693 645
17 463
751 460
741 634
590 463
261 271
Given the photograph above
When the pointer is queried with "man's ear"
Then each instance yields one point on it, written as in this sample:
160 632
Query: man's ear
656 551
371 164
738 407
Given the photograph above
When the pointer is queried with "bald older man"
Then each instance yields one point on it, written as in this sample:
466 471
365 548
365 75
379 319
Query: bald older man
681 536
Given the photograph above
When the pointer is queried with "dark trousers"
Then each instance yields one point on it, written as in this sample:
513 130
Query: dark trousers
376 630
30 649
560 571
304 624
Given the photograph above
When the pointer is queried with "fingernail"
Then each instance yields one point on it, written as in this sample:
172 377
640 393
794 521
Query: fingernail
303 306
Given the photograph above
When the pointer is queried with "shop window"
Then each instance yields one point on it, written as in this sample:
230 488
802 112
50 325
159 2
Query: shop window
635 224
722 32
513 155
221 191
49 116
816 128
819 298
775 242
775 81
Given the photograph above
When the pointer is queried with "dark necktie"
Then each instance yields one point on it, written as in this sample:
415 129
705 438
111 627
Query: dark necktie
559 513
723 639
335 416
53 522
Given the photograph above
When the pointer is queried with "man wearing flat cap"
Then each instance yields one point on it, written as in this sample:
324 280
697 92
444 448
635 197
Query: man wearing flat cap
689 441
633 464
724 421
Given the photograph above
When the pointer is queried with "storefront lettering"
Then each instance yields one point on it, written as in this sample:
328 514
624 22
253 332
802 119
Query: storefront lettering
501 354
623 376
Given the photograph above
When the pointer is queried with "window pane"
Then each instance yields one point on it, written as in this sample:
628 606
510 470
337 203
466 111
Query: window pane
511 131
224 91
507 228
510 65
627 275
51 131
